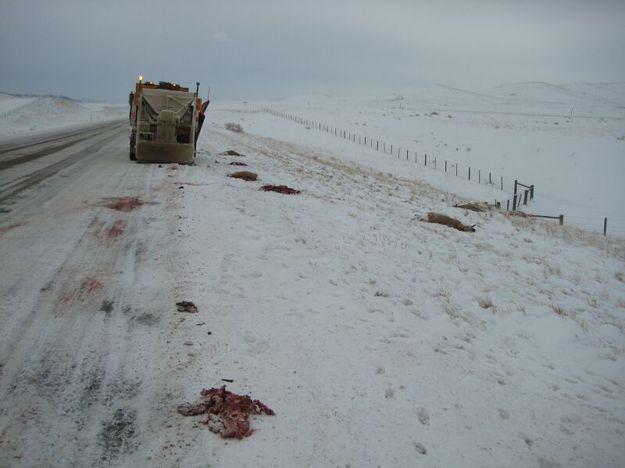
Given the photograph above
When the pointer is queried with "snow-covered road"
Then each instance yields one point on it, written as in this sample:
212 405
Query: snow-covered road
378 339
85 280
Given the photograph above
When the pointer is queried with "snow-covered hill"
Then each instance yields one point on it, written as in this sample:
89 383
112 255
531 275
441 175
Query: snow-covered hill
32 114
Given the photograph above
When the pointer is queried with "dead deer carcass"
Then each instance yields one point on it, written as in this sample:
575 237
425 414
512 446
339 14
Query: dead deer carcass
440 218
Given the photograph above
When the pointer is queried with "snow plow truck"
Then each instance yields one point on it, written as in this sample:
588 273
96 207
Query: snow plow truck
165 122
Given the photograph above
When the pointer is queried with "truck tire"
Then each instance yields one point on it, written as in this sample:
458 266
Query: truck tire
133 145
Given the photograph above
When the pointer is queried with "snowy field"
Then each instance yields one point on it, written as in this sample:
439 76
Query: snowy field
22 116
568 141
378 339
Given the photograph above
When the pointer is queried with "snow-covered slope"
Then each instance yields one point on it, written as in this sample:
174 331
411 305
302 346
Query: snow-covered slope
381 340
568 141
22 115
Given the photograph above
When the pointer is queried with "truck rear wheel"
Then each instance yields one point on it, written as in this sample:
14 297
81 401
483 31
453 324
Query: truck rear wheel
133 145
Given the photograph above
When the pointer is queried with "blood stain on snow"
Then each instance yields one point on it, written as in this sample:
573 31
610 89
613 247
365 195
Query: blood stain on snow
87 287
122 203
90 285
116 230
228 413
10 228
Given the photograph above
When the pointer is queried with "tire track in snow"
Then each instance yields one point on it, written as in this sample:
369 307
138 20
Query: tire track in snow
73 365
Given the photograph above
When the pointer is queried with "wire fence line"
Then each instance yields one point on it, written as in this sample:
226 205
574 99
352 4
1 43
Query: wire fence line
598 224
467 172
521 194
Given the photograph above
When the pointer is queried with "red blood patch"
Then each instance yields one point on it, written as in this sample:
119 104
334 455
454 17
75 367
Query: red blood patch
116 230
90 285
228 413
122 203
10 228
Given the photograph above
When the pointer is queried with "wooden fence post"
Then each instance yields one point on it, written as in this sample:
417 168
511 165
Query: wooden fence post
605 226
532 192
469 172
501 182
445 166
406 155
525 194
514 196
425 160
561 220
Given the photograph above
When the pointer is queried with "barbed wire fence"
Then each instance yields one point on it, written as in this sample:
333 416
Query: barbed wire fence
521 193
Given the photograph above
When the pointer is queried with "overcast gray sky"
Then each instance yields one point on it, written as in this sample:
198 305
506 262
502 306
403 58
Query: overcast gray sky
246 49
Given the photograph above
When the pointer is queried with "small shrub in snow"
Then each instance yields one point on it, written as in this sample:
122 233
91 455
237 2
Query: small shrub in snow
233 127
620 276
558 310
